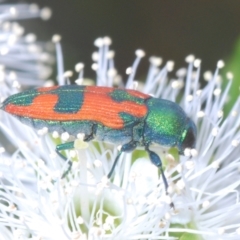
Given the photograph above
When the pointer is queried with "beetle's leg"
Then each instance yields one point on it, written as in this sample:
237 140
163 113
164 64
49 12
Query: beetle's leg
91 136
70 145
65 146
128 147
155 159
114 165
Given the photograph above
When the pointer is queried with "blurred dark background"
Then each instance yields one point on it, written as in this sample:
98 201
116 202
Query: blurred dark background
170 29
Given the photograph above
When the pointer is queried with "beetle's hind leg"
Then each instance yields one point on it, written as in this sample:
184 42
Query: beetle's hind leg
61 147
70 145
155 159
128 147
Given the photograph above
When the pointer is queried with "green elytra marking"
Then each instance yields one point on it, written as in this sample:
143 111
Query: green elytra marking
127 118
22 99
70 98
120 95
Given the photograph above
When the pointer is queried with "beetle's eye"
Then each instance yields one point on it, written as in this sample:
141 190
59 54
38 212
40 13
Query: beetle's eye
189 140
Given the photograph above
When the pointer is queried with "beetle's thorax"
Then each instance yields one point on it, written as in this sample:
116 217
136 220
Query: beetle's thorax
164 123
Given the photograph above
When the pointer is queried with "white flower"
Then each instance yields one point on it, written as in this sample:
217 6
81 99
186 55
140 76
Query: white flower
22 57
35 203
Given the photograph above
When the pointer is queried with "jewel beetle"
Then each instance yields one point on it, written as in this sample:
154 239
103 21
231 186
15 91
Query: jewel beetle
119 116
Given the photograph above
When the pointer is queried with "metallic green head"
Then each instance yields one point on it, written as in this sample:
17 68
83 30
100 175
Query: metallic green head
168 125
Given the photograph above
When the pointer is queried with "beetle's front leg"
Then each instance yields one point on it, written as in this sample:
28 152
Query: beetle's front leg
155 159
128 147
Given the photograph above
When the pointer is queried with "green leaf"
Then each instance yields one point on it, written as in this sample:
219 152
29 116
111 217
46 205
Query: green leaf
233 65
190 236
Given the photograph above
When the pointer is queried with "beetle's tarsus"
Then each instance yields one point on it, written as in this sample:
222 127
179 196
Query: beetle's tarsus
156 160
65 146
114 165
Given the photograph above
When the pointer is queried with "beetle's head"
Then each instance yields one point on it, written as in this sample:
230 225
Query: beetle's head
188 137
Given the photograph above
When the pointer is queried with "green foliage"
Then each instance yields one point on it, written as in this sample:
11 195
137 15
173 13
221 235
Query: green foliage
190 236
185 235
233 65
